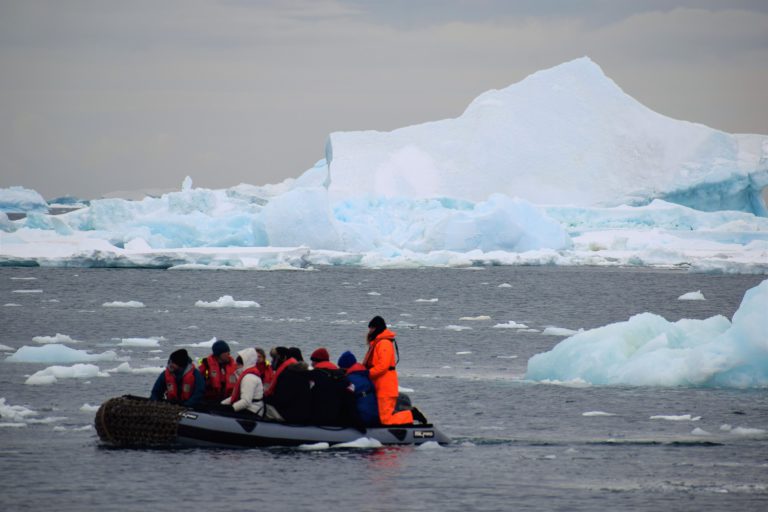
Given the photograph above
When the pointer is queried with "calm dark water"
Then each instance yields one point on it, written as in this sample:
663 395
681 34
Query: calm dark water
518 446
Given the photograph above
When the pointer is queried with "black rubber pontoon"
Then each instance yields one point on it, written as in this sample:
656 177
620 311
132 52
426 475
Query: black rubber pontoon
138 422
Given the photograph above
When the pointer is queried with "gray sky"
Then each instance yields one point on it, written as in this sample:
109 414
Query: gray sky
105 95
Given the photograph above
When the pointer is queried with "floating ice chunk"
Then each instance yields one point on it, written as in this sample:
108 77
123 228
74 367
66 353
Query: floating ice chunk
506 357
14 412
375 294
559 331
746 431
51 374
12 305
429 445
457 328
725 427
697 295
27 291
12 425
86 407
401 389
363 442
597 413
314 447
700 432
141 342
202 344
648 350
128 304
463 353
126 368
510 325
23 279
227 301
505 285
20 199
480 318
60 428
5 348
673 417
426 300
56 353
58 338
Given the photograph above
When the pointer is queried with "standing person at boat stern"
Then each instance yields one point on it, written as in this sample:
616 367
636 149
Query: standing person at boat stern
380 361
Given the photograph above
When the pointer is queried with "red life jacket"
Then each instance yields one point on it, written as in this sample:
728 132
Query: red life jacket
267 375
219 381
187 384
288 362
325 365
236 393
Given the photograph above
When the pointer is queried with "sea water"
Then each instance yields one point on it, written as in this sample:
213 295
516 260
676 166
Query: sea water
516 445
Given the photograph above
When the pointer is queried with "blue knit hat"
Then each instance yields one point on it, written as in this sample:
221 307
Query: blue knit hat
346 359
219 347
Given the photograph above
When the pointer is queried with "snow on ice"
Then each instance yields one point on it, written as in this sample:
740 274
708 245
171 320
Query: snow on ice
648 350
502 184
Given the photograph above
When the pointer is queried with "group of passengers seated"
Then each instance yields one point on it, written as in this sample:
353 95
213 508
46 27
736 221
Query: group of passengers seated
349 393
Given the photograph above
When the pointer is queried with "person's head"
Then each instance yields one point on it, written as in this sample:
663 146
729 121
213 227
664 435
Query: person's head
178 360
376 326
278 354
319 355
346 360
220 350
246 358
261 356
295 352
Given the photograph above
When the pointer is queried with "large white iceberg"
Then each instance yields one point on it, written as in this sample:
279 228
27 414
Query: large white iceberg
648 350
562 168
20 199
568 136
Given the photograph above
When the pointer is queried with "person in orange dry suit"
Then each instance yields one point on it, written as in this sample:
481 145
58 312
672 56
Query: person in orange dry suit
380 361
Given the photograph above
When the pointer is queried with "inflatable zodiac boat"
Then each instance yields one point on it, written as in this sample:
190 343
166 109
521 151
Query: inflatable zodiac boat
130 421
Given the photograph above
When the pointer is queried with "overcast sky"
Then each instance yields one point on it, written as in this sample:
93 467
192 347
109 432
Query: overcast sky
105 95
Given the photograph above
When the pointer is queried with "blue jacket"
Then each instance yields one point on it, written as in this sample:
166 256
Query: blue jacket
158 390
365 395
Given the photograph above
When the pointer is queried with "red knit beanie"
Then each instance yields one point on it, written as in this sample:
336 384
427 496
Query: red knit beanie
320 354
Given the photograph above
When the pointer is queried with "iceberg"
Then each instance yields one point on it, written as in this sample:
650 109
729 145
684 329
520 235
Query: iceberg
562 168
648 350
56 353
21 200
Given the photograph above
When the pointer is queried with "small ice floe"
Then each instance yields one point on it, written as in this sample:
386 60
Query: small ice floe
57 353
699 432
505 285
506 357
119 304
679 417
15 413
126 368
725 427
401 389
227 301
597 413
374 294
51 374
429 445
464 353
12 425
314 447
59 428
86 407
746 431
58 338
23 279
510 325
12 305
141 342
5 348
559 331
481 318
202 344
697 295
27 291
363 442
457 328
426 300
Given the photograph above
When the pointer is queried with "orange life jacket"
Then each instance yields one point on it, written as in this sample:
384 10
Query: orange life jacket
219 381
236 392
380 361
187 384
